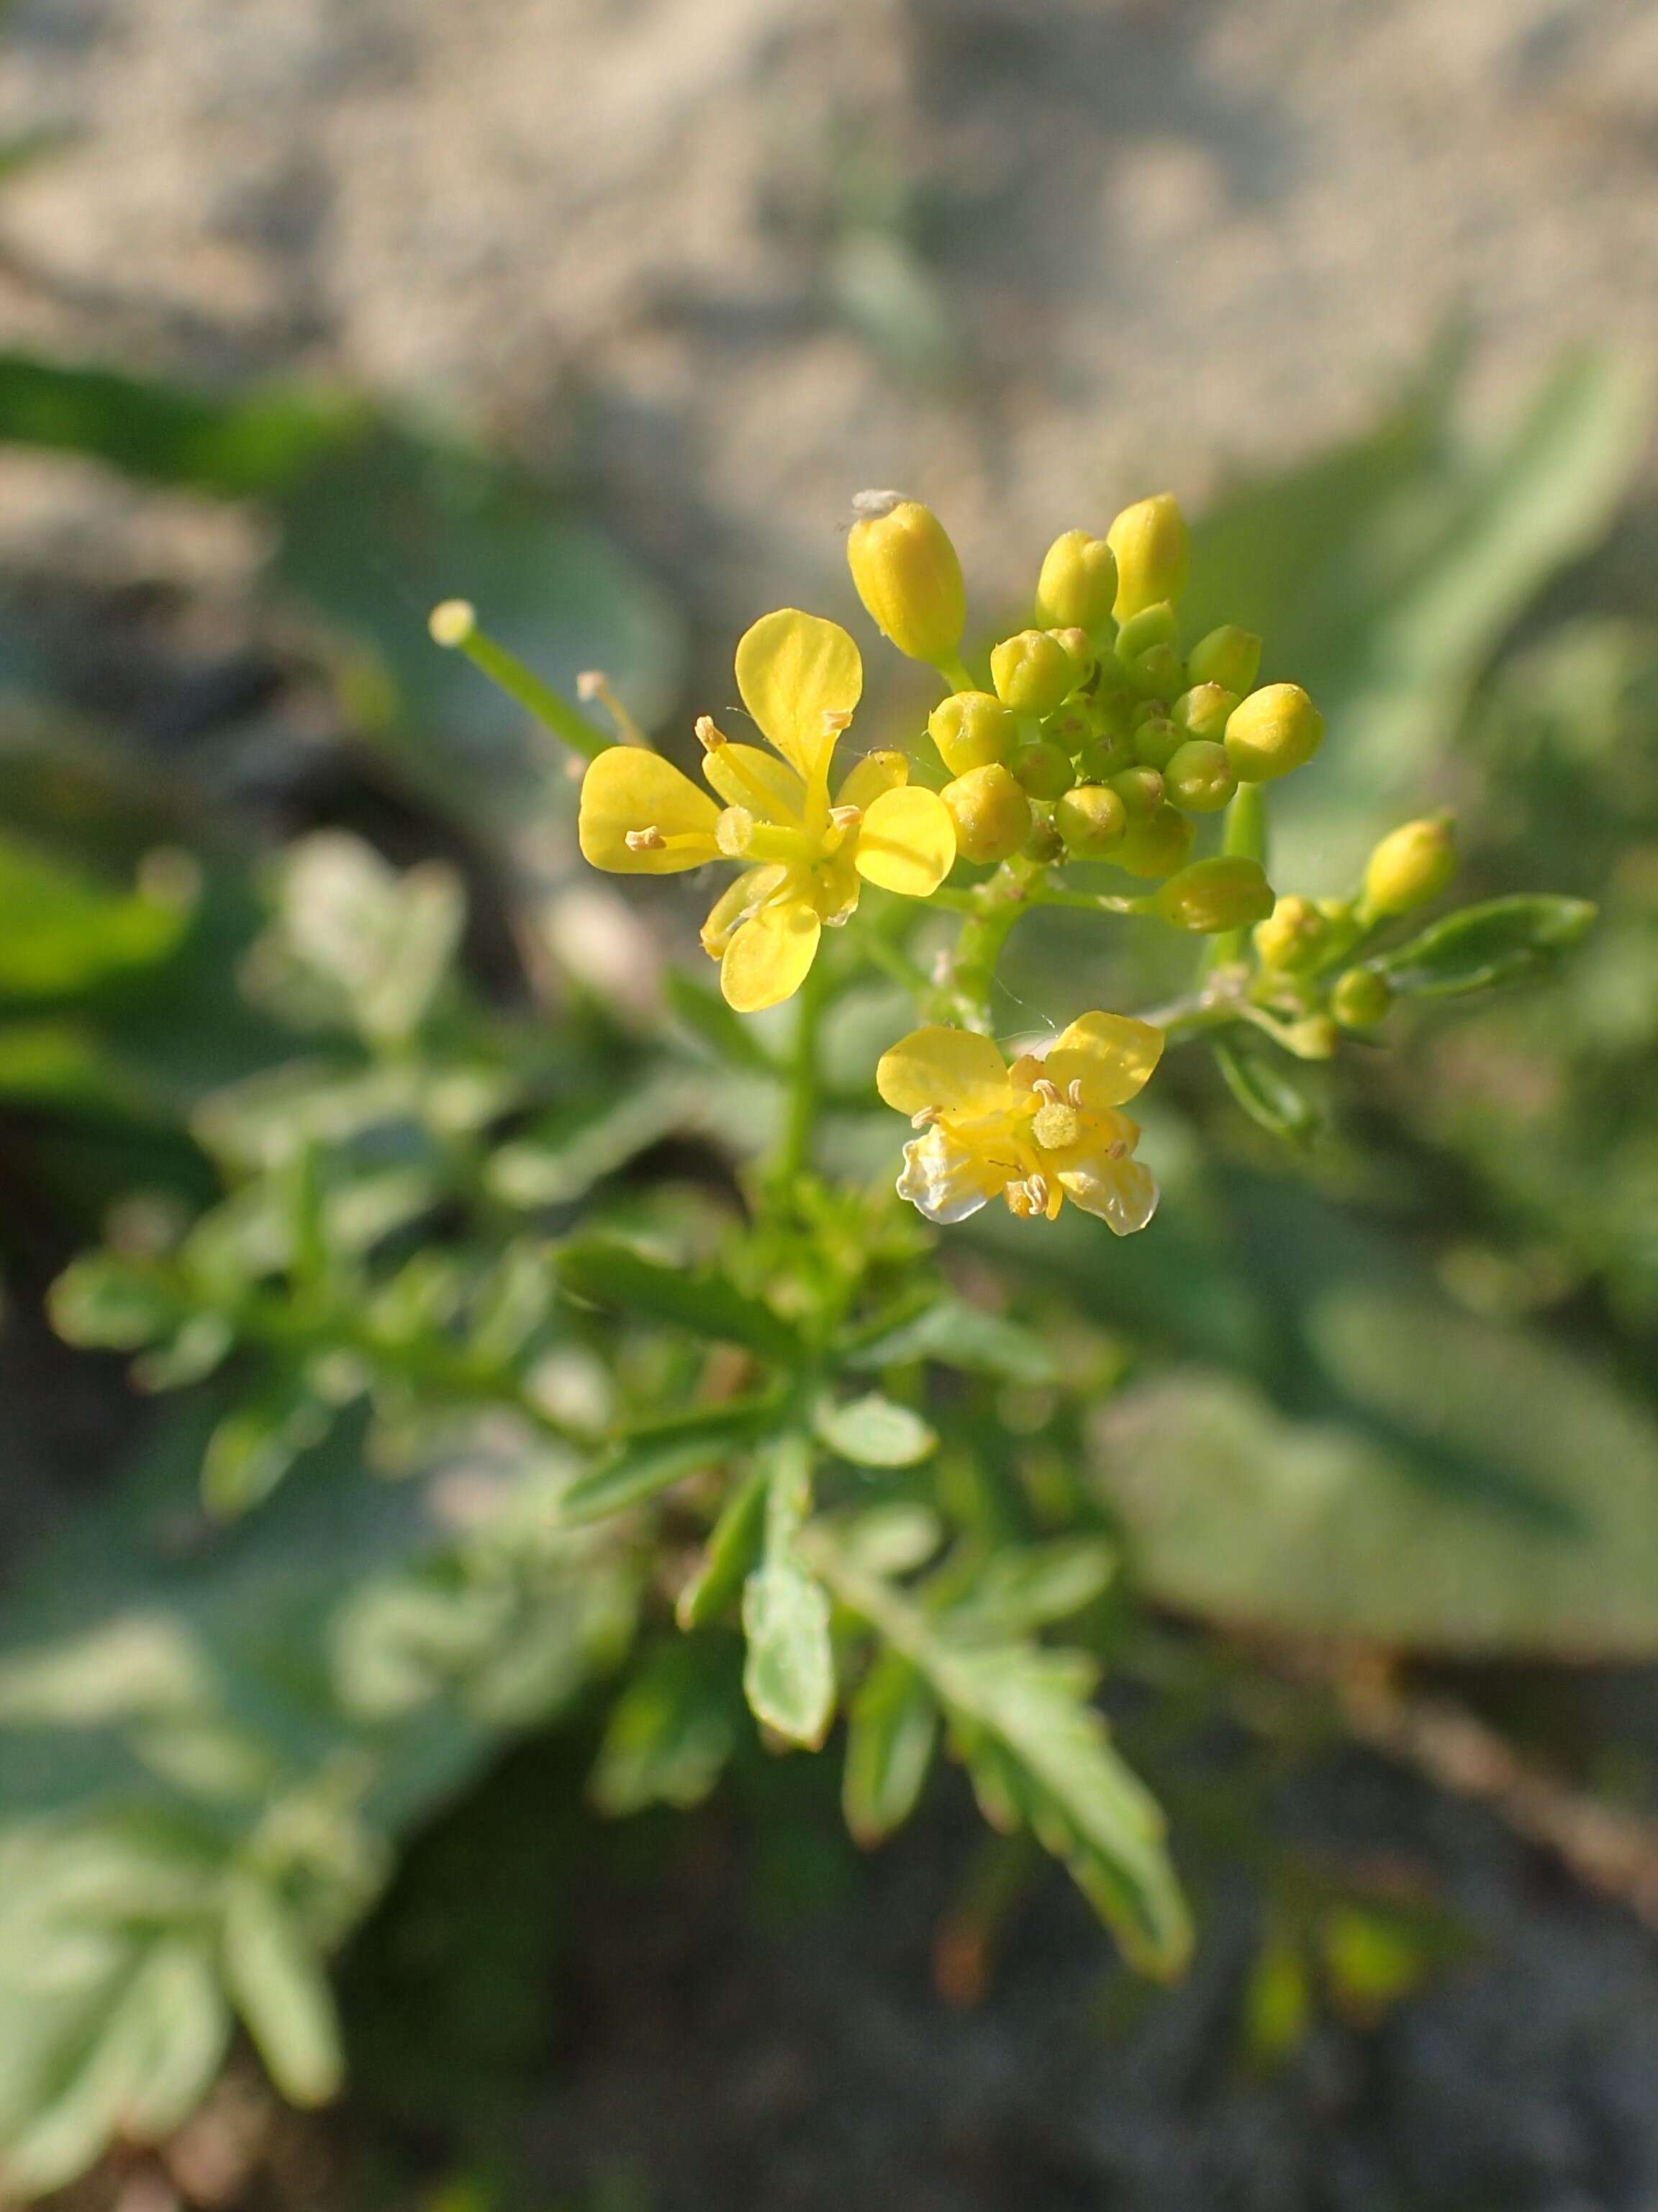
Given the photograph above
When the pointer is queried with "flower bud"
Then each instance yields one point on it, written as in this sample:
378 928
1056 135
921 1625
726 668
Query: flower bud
1043 769
1044 844
1033 673
991 813
1114 706
1078 583
1199 777
1077 643
1156 741
1102 758
1071 727
971 729
1091 820
1227 656
1224 893
1203 712
1157 673
907 576
1275 729
1140 790
1152 545
1152 625
1155 846
1360 999
1410 867
1293 935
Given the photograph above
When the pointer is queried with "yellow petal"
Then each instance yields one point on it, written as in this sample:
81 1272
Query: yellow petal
628 789
768 958
1120 1192
1111 1055
792 670
907 841
874 773
947 1180
956 1070
745 776
745 894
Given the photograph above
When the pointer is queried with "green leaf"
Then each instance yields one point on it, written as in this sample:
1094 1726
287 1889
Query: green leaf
701 1009
605 1272
260 442
1500 942
1266 1090
1040 1754
551 1167
658 1453
109 1304
788 1675
669 1734
61 932
281 1992
253 1447
892 1728
873 1432
731 1550
1031 1586
956 1334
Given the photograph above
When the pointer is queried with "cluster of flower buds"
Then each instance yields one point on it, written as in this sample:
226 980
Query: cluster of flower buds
1100 738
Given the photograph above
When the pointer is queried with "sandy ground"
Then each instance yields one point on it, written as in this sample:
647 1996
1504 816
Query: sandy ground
725 261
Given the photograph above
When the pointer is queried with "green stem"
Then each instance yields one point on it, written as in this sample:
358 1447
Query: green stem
455 625
804 1096
1244 838
956 673
997 905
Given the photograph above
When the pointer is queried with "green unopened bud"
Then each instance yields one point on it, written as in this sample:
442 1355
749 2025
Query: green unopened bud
1360 999
971 729
907 576
1078 644
1199 777
991 813
1071 727
1033 673
1044 844
1152 546
1410 867
1140 790
1210 896
1078 586
1155 846
1114 706
1227 656
1316 1036
1158 673
1154 625
1091 820
1156 741
1205 710
1274 730
1293 936
1042 771
1102 758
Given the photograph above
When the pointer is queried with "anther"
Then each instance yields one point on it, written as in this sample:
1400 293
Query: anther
707 736
593 683
835 721
1046 1089
1038 1186
846 817
646 841
925 1118
1118 1150
1073 1091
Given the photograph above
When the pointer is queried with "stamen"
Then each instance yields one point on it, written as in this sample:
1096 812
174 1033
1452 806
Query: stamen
1116 1150
1046 1089
649 840
846 817
593 683
927 1117
1038 1186
835 721
1073 1091
709 735
873 505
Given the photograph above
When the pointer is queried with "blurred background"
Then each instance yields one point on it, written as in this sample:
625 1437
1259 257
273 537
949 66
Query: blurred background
598 312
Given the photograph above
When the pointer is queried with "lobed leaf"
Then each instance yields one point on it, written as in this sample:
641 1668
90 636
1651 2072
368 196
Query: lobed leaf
1500 942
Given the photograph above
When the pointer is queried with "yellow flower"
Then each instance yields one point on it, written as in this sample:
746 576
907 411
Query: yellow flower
1040 1132
807 856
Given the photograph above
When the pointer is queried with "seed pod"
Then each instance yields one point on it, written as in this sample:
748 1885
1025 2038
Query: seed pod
1273 731
1199 777
1152 546
1078 586
907 576
1227 656
1091 820
1410 867
1033 673
971 729
1155 845
991 813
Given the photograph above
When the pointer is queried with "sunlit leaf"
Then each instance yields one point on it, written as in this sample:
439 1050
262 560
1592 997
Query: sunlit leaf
1501 942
